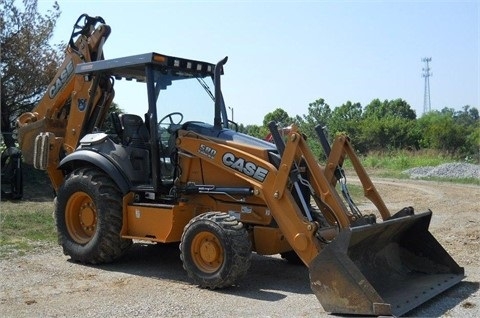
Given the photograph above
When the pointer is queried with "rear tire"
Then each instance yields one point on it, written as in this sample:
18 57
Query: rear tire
215 250
89 217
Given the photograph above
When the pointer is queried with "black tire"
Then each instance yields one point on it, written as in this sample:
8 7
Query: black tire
215 250
88 215
11 164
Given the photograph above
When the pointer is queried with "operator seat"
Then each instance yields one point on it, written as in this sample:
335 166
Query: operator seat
135 133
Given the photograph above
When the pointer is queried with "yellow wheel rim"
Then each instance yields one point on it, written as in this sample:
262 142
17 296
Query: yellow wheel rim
81 217
207 252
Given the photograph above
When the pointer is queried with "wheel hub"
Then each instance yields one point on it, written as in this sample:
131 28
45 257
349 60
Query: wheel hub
209 251
87 216
81 217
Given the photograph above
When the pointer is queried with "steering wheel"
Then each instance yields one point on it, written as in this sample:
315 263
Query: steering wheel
167 136
171 118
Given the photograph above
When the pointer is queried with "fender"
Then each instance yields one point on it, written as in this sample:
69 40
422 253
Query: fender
99 161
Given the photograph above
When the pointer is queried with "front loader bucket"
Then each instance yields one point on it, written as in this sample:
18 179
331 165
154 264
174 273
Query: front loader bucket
383 269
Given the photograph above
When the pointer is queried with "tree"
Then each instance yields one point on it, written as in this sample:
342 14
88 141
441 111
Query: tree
29 61
472 148
346 118
389 133
393 108
439 131
256 131
319 113
468 117
469 120
278 115
455 132
388 125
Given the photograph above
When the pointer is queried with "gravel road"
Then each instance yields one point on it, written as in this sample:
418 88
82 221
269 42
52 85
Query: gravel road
149 280
447 170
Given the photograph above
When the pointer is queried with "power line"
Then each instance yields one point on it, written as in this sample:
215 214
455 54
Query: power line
427 106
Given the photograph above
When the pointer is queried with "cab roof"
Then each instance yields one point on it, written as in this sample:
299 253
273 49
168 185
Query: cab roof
134 67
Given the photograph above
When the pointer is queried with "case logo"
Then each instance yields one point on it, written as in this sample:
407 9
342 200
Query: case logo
61 80
246 167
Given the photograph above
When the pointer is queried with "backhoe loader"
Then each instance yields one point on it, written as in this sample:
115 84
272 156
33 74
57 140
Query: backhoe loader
218 193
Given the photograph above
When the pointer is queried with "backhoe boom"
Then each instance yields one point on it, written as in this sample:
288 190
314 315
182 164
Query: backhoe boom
64 114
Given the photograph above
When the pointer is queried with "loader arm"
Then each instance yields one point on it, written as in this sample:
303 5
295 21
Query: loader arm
72 104
273 185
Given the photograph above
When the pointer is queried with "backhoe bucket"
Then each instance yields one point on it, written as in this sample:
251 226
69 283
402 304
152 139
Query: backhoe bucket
387 268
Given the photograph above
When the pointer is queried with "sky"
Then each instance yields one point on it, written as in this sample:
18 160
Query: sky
288 54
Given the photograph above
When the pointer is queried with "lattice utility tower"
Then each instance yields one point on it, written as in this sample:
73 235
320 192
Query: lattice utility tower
427 106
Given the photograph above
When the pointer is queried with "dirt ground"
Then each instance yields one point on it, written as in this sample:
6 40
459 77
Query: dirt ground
149 280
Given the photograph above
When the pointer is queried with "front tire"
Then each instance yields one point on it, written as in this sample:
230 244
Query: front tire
215 250
89 217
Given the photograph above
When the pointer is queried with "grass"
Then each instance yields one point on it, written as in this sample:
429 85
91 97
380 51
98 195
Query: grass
475 181
24 226
392 164
402 160
27 224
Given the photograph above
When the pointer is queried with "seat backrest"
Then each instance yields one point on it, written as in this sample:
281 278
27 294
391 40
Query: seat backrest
135 133
117 125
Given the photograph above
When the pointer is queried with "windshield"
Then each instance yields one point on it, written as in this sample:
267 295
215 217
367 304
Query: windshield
189 98
186 96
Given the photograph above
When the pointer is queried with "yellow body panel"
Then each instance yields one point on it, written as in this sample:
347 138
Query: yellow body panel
269 241
157 223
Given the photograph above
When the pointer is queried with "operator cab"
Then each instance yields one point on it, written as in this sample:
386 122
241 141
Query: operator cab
145 148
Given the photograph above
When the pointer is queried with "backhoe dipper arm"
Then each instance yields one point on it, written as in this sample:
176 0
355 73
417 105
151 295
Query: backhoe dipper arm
57 123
